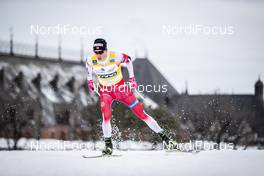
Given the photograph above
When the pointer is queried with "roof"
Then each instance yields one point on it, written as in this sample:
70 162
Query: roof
147 74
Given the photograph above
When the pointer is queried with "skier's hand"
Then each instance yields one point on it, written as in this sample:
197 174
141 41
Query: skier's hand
133 83
90 85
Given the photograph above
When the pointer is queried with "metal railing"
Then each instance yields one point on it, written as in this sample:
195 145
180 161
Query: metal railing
18 48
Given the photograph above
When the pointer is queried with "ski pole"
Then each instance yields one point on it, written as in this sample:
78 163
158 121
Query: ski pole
96 90
143 99
141 96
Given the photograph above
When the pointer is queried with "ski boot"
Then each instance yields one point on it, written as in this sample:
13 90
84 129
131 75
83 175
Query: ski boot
169 144
108 147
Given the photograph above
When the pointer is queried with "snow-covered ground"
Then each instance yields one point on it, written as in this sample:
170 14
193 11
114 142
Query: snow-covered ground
55 157
133 163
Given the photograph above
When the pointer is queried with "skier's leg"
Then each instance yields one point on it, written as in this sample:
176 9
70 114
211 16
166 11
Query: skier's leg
136 106
105 103
138 109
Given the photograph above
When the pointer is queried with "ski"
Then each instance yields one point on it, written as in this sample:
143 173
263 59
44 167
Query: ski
183 151
101 156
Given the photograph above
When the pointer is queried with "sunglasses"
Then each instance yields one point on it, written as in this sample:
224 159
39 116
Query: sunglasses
99 52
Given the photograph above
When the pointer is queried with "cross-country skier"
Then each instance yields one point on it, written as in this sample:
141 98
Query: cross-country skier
107 67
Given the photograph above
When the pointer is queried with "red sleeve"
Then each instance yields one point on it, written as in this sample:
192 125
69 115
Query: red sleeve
126 58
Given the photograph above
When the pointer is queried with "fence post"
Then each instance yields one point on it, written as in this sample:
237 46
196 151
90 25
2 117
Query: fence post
81 50
11 41
36 46
59 48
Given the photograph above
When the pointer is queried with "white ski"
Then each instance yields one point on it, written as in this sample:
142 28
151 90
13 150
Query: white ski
101 156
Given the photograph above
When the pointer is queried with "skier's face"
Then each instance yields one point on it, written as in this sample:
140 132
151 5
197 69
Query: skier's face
101 55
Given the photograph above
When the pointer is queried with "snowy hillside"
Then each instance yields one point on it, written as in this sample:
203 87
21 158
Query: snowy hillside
47 71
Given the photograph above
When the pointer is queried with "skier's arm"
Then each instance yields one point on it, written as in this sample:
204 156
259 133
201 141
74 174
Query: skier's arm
89 71
126 60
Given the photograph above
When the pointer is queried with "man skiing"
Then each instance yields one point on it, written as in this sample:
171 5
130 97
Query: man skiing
107 67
